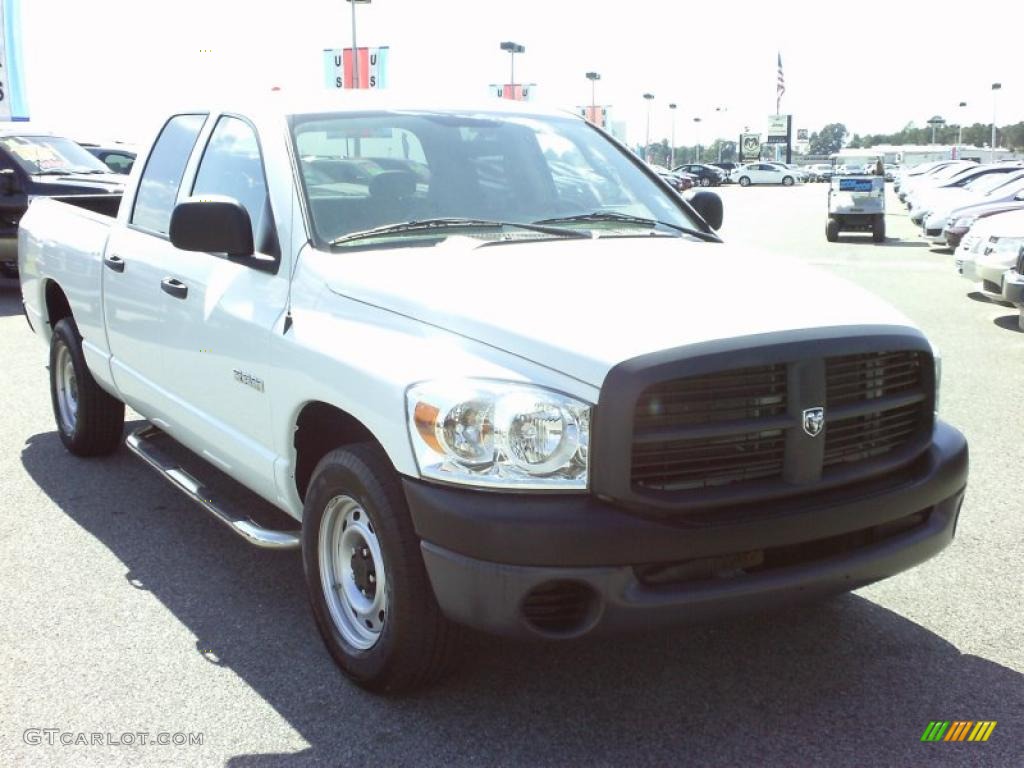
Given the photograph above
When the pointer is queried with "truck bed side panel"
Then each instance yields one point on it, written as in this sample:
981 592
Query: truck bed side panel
64 244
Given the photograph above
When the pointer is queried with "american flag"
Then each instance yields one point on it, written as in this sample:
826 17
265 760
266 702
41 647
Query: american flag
780 87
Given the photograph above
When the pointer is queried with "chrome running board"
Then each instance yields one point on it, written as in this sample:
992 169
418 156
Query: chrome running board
141 443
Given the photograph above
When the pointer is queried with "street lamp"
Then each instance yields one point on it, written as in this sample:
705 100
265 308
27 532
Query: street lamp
960 133
995 87
647 141
935 122
355 49
593 77
721 112
513 49
672 149
696 125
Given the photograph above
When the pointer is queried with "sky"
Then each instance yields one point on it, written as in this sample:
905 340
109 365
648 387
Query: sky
110 69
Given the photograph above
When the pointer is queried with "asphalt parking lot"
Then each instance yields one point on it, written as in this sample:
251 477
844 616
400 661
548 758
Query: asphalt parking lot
127 610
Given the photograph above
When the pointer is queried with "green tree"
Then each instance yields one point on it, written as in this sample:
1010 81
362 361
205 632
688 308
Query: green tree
829 139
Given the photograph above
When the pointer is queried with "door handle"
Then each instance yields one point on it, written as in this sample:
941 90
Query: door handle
115 263
175 287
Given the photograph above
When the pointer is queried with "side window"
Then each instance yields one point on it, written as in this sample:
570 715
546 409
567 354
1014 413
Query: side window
158 187
119 163
233 166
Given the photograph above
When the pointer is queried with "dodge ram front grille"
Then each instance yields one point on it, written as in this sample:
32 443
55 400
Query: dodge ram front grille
762 425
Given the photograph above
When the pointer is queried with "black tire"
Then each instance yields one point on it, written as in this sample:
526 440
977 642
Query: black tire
832 230
744 181
98 421
787 181
878 229
416 644
705 182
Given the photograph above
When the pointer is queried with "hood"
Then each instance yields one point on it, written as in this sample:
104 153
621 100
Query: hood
1007 224
988 209
87 183
582 306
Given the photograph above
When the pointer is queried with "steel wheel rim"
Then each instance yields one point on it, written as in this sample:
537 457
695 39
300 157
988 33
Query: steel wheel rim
67 389
347 543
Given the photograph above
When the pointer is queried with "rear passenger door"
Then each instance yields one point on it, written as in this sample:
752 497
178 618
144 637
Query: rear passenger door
220 321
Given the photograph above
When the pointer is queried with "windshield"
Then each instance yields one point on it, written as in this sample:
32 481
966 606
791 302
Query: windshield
1008 184
370 170
986 182
51 154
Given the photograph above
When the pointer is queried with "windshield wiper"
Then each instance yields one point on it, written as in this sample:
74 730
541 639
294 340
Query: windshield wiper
625 218
428 225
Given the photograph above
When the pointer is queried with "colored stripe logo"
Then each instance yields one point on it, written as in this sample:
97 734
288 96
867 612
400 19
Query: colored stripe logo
958 730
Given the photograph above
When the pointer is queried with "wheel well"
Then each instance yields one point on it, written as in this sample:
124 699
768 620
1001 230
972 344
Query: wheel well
57 306
320 429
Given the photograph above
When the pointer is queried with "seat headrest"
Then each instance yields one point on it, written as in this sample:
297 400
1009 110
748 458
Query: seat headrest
393 185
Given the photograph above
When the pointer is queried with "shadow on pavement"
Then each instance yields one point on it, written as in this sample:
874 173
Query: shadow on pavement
844 683
983 299
1010 323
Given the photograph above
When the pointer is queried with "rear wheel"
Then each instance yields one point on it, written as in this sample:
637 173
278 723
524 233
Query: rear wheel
787 181
369 589
705 182
89 421
878 228
744 181
832 230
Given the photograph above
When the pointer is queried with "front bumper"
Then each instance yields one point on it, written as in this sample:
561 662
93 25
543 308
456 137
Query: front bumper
1013 289
489 555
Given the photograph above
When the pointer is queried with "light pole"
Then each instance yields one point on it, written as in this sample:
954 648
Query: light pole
355 49
593 77
513 49
935 122
995 87
960 132
672 149
647 141
720 111
696 125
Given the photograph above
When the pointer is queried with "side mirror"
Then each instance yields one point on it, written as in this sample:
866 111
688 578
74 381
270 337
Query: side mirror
709 206
213 225
9 182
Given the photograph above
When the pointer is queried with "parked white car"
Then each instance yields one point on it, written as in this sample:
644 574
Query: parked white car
989 250
970 184
764 173
944 216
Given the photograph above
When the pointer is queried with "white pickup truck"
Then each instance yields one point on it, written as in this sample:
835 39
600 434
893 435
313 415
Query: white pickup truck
482 357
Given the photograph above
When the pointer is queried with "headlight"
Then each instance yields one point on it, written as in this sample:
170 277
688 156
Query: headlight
499 435
965 221
1006 244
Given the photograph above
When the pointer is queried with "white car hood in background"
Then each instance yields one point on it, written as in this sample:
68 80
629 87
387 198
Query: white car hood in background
582 306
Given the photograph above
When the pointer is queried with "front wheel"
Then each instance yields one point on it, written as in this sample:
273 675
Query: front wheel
744 181
89 421
367 584
787 181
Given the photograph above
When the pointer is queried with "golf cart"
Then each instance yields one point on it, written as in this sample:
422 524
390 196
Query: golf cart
856 203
